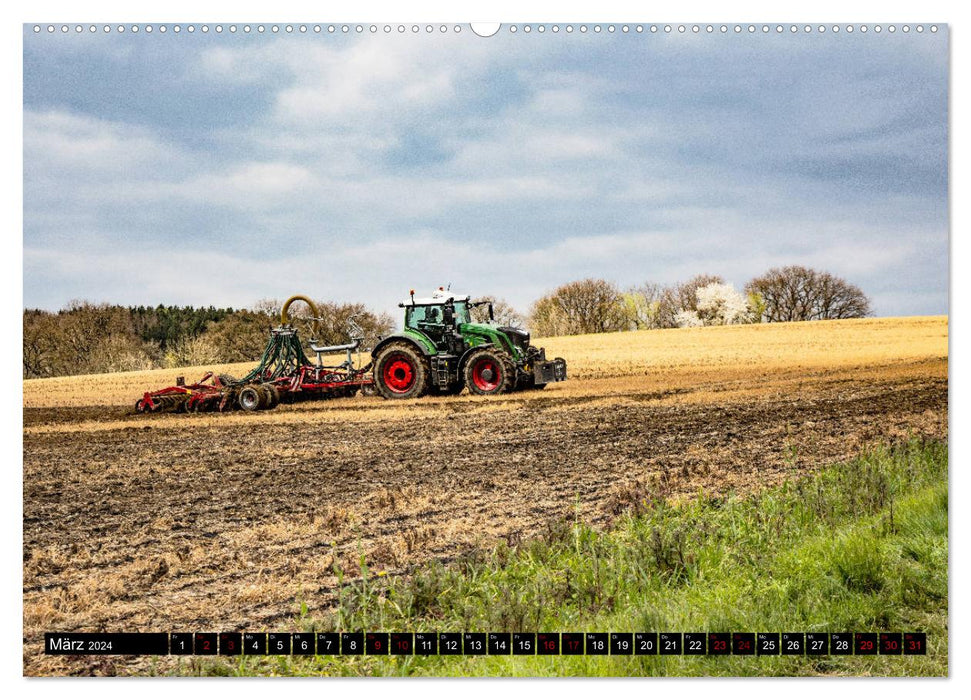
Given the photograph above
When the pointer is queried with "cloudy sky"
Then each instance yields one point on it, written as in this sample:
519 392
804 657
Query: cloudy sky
224 168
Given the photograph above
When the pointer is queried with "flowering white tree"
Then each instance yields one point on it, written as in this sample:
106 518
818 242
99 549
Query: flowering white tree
718 305
722 305
686 318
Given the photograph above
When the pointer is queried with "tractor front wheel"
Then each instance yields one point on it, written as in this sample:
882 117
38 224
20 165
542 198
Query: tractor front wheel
400 372
489 372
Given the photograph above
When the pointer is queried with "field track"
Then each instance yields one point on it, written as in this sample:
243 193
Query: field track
230 522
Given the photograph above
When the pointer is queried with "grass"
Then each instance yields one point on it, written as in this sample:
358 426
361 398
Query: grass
860 546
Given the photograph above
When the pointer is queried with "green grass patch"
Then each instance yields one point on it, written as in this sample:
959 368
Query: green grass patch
860 546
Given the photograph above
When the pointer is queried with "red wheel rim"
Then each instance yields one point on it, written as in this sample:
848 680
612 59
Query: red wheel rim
398 374
486 375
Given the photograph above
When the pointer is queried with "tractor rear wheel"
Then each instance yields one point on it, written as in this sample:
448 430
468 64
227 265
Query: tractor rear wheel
489 372
400 372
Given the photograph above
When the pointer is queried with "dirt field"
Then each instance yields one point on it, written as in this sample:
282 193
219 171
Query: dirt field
231 522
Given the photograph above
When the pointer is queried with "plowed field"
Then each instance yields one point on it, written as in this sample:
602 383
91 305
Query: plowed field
231 522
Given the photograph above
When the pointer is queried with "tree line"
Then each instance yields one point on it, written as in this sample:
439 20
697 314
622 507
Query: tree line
87 338
792 293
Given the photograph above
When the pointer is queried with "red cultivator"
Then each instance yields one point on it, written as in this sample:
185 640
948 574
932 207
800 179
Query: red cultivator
222 393
284 373
178 397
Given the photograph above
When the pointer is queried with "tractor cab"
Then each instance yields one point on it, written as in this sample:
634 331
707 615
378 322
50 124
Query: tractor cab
439 310
439 318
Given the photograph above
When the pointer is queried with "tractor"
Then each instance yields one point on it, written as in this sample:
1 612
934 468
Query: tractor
440 350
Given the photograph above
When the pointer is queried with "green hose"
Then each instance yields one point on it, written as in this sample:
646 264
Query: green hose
282 357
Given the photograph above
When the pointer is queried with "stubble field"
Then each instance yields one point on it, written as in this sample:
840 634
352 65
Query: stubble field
241 521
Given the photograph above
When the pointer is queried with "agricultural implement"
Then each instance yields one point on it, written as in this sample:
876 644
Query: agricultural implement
440 350
284 373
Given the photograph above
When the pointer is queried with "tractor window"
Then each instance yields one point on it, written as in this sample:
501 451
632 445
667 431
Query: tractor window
423 314
413 315
434 314
462 313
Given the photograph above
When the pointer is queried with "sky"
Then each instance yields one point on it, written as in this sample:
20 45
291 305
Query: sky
223 168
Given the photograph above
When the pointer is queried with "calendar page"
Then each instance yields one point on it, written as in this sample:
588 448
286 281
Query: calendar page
516 349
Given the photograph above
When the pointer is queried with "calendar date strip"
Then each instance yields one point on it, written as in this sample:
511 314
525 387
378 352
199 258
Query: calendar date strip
486 643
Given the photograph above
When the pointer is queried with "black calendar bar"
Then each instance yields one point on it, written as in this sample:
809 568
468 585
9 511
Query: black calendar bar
512 644
85 643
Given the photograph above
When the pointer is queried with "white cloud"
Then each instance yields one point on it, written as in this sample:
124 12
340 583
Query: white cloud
350 83
88 147
251 185
509 189
359 82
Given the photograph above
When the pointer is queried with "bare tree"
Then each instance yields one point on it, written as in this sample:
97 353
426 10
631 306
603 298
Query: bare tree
120 353
243 336
268 307
546 318
797 293
82 327
334 323
586 306
192 351
40 329
502 311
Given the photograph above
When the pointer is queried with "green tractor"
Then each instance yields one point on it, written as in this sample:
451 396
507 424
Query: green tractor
441 351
